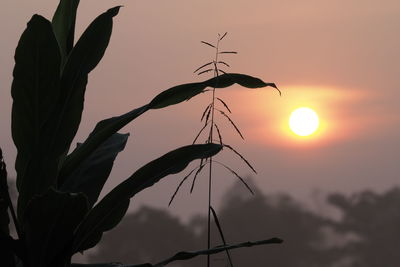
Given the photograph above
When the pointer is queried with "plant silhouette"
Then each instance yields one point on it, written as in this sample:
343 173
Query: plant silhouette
59 212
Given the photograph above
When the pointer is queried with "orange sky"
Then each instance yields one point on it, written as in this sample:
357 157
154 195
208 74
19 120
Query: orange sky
339 57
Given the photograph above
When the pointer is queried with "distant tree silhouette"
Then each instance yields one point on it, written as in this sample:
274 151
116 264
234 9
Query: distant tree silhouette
148 235
366 235
375 220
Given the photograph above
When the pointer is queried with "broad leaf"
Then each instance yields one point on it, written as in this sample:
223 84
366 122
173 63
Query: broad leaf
103 130
184 92
35 90
174 95
64 25
93 172
99 218
50 221
83 58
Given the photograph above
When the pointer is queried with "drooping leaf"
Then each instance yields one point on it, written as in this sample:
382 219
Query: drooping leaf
101 217
202 66
83 58
103 130
91 175
35 90
184 92
236 175
64 25
232 123
50 221
172 96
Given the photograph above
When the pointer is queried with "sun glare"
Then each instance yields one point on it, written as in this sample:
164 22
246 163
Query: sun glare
304 121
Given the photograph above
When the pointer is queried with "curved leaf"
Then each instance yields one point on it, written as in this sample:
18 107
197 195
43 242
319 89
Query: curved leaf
186 255
105 128
102 217
64 25
92 173
50 221
184 92
35 90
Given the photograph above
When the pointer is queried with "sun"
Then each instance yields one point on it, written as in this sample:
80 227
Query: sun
303 121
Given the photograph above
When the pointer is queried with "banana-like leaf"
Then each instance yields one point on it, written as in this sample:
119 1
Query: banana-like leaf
50 221
92 174
99 218
83 58
64 25
174 95
35 90
103 130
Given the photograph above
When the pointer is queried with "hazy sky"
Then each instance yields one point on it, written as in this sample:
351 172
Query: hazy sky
339 57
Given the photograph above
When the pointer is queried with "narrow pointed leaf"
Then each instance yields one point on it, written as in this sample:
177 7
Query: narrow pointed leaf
240 155
101 217
186 255
179 186
204 71
224 63
236 175
64 25
91 175
50 221
208 44
35 90
227 52
222 37
199 68
233 124
221 233
225 105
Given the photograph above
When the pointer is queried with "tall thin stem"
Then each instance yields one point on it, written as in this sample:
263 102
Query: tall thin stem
210 138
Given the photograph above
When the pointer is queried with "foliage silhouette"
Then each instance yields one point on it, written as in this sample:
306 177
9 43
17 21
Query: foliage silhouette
58 211
307 243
